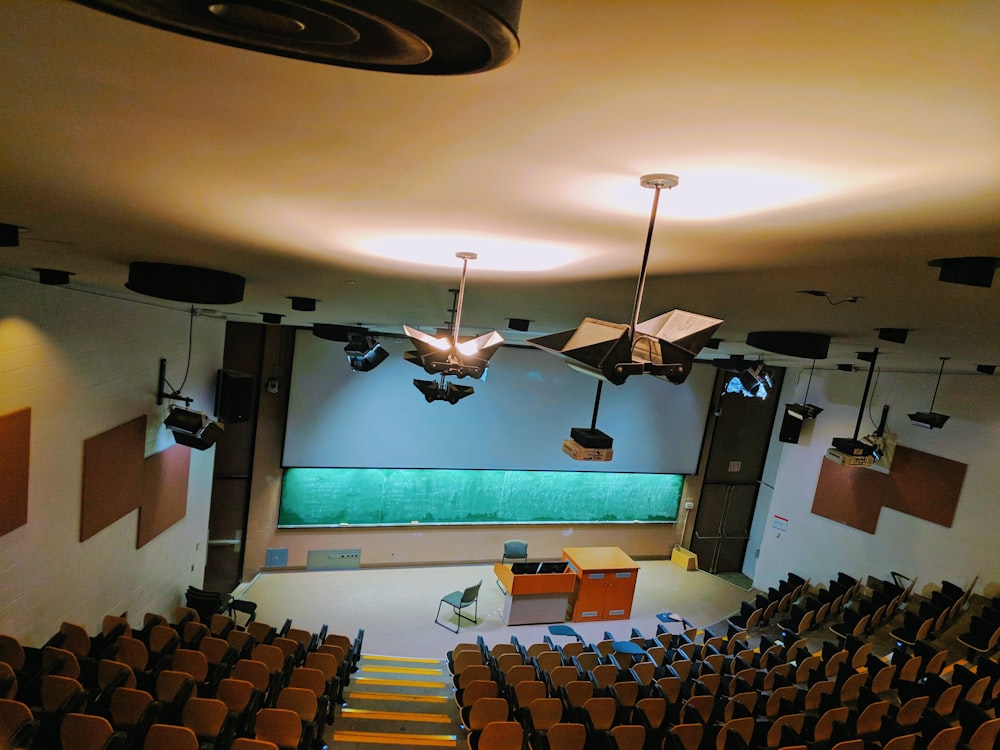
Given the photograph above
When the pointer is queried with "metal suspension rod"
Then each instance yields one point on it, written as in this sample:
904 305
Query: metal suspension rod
864 397
938 384
645 260
466 257
597 403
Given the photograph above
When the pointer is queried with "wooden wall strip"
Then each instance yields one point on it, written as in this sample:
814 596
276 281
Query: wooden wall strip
15 437
164 492
112 476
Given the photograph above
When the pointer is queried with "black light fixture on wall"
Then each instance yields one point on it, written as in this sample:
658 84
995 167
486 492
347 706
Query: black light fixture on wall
930 419
664 346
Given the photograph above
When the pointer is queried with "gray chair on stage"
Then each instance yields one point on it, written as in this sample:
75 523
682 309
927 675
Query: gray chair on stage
459 601
514 550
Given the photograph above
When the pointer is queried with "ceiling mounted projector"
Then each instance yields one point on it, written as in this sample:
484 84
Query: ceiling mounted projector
930 419
192 428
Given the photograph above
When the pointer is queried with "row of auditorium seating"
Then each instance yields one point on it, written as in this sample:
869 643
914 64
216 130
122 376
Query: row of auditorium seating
698 689
217 684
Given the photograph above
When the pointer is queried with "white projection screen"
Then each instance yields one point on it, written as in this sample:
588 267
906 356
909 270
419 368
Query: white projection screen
516 420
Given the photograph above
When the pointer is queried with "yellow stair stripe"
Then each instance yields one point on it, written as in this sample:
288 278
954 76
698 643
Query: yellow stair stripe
408 659
406 740
402 697
401 670
364 713
401 683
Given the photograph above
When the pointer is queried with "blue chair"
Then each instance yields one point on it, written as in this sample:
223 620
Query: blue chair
458 601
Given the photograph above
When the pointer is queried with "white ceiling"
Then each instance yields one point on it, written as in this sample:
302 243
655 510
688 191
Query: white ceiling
834 146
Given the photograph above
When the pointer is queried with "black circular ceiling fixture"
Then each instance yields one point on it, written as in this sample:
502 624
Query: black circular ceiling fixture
792 343
430 37
185 283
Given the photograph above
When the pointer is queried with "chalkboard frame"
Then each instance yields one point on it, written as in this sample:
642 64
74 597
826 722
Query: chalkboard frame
375 497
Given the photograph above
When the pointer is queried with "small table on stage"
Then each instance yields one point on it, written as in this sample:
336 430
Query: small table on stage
605 578
534 597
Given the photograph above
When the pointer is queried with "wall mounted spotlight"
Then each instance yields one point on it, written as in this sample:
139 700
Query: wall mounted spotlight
986 369
271 318
364 353
192 428
930 419
664 346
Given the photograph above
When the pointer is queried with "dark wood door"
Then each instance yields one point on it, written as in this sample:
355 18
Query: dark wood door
722 527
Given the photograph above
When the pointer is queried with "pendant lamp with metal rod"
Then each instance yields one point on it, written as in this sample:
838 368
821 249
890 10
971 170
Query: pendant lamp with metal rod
664 346
930 419
448 355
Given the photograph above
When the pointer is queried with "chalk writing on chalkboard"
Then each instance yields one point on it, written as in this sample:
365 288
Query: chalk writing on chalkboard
377 497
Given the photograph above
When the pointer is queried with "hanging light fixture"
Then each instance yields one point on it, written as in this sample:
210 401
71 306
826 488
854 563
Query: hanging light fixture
448 355
930 419
805 410
664 346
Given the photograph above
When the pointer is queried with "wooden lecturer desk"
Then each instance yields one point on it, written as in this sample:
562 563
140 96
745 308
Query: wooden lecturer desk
534 597
605 583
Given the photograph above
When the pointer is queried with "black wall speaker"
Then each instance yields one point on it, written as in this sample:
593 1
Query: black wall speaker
791 427
234 392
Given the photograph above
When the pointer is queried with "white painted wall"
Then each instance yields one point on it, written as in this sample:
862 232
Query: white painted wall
85 364
818 548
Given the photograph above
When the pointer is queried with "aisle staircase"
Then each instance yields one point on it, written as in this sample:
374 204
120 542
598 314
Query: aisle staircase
397 701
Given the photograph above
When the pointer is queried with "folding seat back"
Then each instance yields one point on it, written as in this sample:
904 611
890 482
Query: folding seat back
253 671
543 713
628 736
487 710
220 625
82 731
243 701
132 712
210 720
278 725
685 736
527 691
170 737
60 661
242 641
303 702
501 735
8 681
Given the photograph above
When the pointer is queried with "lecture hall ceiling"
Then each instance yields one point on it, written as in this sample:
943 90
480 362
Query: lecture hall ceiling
820 146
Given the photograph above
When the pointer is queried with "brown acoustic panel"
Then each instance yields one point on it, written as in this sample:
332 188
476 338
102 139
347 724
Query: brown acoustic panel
849 495
925 486
164 492
112 476
919 484
15 437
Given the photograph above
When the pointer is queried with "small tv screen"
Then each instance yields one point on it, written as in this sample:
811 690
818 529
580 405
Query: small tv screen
523 568
553 567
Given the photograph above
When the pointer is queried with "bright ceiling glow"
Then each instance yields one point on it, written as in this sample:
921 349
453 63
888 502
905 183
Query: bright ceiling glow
711 192
495 253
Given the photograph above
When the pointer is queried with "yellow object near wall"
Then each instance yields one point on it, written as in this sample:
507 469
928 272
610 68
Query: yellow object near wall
684 558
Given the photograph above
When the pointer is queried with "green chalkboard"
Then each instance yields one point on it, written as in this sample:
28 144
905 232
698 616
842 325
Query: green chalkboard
377 497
